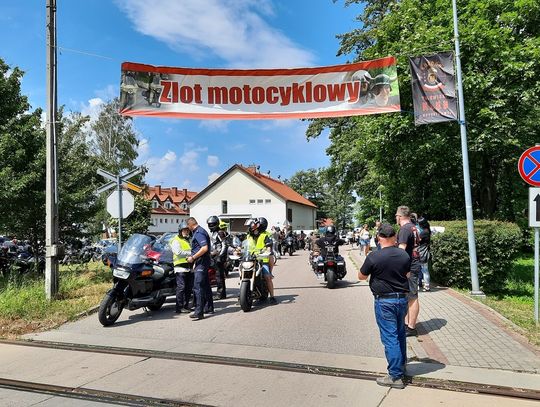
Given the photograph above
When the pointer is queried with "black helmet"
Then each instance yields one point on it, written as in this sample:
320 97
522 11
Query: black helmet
263 224
182 225
253 225
331 231
213 223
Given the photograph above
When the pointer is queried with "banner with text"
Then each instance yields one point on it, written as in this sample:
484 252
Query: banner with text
433 88
361 88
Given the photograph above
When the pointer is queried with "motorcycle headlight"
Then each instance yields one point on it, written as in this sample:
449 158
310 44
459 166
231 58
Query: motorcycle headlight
247 265
123 274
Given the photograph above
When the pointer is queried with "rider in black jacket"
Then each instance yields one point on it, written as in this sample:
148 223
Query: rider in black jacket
330 238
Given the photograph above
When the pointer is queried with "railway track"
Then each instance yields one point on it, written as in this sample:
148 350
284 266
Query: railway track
449 385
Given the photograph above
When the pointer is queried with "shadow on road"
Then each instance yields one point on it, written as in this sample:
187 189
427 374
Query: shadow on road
423 366
433 324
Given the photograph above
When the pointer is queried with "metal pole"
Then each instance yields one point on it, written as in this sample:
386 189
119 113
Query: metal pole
119 181
536 272
51 211
465 154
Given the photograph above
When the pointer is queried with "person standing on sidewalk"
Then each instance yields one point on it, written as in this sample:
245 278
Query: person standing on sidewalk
388 269
200 257
181 249
408 239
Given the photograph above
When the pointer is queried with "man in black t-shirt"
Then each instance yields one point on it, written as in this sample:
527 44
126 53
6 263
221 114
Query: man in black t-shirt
388 269
408 240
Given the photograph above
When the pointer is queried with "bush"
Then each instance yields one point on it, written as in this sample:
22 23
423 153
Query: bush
497 243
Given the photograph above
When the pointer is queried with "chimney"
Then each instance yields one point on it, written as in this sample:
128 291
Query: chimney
174 191
253 168
185 193
158 189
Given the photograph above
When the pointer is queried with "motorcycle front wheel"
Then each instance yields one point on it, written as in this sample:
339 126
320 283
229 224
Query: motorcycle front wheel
330 278
110 309
246 296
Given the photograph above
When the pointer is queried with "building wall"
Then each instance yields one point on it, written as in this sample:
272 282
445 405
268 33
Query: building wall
165 223
238 189
303 217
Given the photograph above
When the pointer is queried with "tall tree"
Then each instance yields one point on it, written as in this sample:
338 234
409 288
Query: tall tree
114 140
421 166
22 161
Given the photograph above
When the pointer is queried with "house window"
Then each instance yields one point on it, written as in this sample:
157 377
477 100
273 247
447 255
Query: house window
160 220
267 201
155 204
259 201
177 220
289 214
252 201
168 205
184 206
223 206
166 220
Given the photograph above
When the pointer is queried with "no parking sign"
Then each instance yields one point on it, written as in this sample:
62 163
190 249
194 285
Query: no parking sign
529 166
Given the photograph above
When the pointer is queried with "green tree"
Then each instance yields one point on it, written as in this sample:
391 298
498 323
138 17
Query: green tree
310 184
421 166
22 161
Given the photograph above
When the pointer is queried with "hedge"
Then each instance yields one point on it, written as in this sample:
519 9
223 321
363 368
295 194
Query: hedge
497 243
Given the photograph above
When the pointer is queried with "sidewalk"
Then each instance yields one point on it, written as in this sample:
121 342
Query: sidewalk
455 330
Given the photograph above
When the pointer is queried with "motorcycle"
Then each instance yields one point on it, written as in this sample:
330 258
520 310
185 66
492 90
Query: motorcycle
288 245
252 283
139 281
332 267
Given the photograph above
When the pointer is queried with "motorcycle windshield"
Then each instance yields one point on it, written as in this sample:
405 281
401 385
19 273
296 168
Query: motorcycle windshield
134 249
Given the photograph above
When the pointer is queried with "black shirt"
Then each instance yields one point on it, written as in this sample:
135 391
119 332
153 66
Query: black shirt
409 234
388 268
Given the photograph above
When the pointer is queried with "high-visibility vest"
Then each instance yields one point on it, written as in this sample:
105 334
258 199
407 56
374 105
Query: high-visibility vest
184 245
257 246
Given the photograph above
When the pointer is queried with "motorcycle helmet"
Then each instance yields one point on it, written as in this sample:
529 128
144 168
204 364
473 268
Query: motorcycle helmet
213 223
263 224
330 231
253 226
182 225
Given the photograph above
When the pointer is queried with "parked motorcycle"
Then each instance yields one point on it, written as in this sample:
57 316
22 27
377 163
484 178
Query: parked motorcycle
138 281
252 283
331 267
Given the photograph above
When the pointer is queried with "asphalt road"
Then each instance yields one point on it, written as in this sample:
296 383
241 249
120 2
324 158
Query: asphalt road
309 317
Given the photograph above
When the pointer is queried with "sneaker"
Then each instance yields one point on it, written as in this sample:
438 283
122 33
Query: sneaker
273 301
426 288
411 331
390 382
196 317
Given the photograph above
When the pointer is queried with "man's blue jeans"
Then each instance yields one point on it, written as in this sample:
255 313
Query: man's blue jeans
390 316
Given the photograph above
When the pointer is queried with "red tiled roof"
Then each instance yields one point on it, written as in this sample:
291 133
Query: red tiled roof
278 187
174 195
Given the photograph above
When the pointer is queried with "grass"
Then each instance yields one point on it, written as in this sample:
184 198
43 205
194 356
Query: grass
515 300
24 308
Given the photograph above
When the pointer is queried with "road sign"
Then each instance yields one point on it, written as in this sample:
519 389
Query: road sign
128 204
534 207
529 166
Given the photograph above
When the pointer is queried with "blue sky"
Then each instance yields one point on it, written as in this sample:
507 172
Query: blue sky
96 36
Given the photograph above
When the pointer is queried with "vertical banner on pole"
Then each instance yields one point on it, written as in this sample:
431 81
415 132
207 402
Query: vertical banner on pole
433 88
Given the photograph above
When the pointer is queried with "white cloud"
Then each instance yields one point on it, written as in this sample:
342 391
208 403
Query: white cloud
212 160
221 126
233 30
188 161
161 168
212 177
92 108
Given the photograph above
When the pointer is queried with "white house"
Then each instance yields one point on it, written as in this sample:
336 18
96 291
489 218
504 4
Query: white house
243 192
169 207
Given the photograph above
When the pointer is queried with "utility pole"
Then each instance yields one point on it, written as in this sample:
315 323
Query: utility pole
465 153
51 223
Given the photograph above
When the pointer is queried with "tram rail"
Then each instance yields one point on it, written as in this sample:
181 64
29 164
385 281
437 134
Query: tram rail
440 384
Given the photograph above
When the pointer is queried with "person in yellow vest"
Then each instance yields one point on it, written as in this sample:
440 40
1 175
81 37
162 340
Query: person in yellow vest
262 243
181 249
